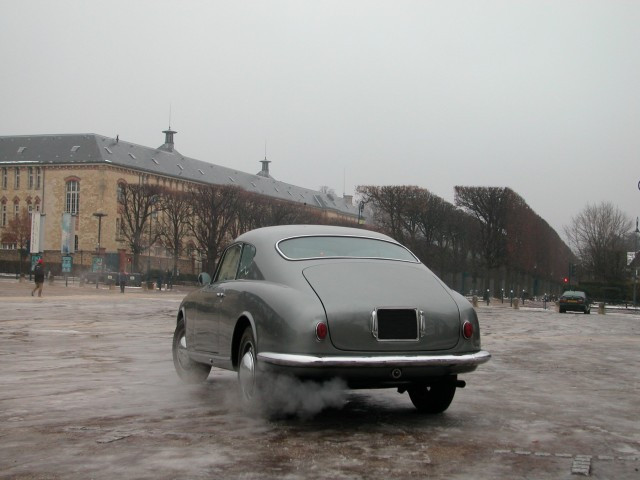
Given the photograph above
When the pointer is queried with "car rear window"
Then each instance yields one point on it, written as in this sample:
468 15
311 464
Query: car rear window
334 246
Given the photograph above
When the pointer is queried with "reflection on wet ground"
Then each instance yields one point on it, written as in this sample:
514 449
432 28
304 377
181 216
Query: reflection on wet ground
88 390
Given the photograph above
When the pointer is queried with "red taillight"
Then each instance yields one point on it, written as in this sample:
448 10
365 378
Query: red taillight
321 330
467 329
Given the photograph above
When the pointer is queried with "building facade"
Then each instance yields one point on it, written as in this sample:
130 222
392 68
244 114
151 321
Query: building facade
77 176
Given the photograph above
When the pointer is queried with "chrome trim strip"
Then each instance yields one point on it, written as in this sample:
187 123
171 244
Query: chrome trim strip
374 323
294 360
416 259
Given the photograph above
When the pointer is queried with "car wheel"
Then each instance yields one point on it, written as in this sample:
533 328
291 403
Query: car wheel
434 398
247 369
587 311
561 310
188 370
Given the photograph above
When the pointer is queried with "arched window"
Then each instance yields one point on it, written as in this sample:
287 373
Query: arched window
72 204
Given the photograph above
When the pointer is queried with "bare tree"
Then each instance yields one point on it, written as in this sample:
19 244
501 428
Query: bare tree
256 211
597 235
490 205
215 211
174 223
18 231
137 203
392 206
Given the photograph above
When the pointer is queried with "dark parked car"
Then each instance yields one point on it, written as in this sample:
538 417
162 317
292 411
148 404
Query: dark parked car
574 301
320 302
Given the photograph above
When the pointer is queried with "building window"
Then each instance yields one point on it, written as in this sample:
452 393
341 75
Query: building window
30 180
3 220
16 210
16 183
75 243
37 178
120 194
4 178
73 197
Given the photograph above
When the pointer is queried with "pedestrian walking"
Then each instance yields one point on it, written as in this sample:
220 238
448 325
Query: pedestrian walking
38 276
122 280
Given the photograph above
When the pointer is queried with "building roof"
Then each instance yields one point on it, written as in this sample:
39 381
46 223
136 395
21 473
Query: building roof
90 148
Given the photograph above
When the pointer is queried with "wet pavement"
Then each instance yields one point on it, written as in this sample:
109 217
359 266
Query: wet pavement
88 391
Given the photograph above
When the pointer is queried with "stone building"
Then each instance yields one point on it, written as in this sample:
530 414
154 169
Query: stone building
79 174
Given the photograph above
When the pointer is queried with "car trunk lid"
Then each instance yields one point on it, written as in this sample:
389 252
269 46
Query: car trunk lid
385 306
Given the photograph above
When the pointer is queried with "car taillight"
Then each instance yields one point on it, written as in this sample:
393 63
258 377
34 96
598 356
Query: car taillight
467 329
321 330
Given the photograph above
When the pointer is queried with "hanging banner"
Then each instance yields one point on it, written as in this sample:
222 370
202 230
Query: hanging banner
36 220
68 234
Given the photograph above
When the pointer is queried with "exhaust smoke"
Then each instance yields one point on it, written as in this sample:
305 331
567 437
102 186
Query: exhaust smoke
284 395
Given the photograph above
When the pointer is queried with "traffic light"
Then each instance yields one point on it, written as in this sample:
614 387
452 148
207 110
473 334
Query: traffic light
565 280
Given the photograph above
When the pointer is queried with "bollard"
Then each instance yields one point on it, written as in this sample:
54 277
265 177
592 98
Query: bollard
516 303
601 309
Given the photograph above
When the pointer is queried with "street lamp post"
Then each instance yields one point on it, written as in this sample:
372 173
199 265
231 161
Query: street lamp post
153 214
635 269
99 214
360 211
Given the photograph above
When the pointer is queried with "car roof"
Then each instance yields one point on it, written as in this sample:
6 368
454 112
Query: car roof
574 292
271 235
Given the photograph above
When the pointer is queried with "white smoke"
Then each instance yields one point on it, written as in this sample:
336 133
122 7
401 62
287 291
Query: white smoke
282 395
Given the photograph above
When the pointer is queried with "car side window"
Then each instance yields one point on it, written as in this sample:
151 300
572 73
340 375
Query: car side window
246 262
229 265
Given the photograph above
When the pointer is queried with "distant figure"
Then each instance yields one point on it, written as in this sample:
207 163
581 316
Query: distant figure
160 280
38 275
169 280
122 279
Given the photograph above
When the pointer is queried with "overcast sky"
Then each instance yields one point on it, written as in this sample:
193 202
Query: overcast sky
539 96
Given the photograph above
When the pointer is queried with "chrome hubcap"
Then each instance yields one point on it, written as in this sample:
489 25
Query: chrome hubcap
247 374
183 356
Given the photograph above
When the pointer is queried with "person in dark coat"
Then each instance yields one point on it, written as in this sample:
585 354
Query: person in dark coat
38 276
122 280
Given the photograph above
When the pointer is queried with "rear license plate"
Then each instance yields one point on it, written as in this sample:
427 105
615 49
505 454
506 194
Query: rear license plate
397 324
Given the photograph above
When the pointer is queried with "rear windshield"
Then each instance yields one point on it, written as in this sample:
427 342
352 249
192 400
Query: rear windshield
325 246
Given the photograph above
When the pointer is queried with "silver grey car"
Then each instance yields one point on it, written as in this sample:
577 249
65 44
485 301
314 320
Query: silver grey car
322 302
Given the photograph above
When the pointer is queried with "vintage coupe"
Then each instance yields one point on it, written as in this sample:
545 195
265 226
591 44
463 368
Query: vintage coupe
322 302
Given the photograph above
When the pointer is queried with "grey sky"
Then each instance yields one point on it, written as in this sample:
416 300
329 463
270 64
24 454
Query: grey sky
539 96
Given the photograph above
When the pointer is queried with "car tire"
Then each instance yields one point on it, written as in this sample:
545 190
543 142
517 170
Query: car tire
434 398
248 369
561 310
188 370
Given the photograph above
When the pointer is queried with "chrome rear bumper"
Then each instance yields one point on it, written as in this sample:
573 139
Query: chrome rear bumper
310 361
